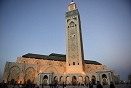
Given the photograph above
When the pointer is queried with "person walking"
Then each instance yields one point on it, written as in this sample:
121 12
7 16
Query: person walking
99 85
90 85
112 85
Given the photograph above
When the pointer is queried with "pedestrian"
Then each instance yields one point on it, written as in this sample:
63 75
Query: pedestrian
90 85
20 86
78 84
36 87
50 85
86 85
99 85
63 85
112 85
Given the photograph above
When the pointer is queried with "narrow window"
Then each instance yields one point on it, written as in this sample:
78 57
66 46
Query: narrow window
69 64
73 63
78 63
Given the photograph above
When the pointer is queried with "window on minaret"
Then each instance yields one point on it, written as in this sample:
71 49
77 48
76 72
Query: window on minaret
71 7
72 24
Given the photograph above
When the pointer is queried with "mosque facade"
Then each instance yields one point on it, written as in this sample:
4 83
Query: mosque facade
58 68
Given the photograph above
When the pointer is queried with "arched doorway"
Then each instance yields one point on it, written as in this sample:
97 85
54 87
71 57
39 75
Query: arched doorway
80 79
56 80
28 81
45 80
61 80
67 80
93 80
14 74
74 80
12 81
87 80
104 79
30 74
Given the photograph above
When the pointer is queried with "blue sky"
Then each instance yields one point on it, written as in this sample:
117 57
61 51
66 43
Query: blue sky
38 26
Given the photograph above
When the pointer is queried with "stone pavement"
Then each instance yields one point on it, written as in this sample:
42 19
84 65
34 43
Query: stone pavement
105 86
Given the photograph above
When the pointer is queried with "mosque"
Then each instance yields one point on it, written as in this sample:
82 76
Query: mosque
58 68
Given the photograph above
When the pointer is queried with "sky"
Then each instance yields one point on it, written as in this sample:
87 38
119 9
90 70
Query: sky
39 26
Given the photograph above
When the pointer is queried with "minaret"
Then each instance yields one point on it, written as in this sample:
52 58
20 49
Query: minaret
74 45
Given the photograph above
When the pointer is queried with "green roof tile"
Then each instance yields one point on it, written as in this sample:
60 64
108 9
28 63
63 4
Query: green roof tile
57 57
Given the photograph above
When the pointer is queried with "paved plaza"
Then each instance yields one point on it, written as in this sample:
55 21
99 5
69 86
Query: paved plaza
105 86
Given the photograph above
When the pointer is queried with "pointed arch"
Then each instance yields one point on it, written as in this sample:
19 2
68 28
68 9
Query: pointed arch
93 80
30 74
104 79
87 80
68 80
56 80
49 63
61 80
37 62
14 73
45 80
23 60
74 80
51 69
80 79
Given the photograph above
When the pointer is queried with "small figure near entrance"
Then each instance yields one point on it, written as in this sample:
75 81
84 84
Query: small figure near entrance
112 85
99 85
79 84
90 85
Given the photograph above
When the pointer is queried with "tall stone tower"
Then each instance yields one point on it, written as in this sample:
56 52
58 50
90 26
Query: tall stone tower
74 45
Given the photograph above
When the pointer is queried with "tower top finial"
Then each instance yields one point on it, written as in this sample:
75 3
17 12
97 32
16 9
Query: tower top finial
72 5
72 2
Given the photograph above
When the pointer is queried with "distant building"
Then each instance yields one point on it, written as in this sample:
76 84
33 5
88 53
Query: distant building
129 78
57 68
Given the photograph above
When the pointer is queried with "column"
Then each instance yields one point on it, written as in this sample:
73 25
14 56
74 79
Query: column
70 79
49 82
100 77
83 79
109 78
38 82
58 79
64 79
